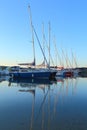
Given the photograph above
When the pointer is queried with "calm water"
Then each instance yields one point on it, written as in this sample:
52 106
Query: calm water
60 105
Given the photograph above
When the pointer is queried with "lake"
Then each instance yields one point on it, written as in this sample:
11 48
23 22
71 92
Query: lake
43 104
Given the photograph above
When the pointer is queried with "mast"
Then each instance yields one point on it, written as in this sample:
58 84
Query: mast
65 58
43 41
69 63
75 61
32 33
49 43
48 48
57 54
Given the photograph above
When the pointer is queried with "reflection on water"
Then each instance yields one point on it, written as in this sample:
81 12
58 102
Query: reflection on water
43 104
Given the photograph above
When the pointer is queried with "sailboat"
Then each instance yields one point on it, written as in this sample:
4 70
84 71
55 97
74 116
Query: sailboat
42 73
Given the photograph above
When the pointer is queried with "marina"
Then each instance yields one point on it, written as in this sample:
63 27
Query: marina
43 76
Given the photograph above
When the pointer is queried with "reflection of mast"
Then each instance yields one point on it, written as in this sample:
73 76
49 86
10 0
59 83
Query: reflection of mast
42 103
32 91
74 87
49 110
43 113
67 84
32 117
56 99
42 121
42 87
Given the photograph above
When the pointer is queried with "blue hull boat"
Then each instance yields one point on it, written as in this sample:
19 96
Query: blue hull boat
35 74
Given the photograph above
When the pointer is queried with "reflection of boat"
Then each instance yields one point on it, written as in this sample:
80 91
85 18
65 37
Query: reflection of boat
4 72
30 91
60 79
30 81
4 78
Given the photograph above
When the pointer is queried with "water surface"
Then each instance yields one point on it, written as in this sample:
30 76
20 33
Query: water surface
40 105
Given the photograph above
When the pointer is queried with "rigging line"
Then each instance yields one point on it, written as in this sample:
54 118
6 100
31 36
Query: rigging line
40 46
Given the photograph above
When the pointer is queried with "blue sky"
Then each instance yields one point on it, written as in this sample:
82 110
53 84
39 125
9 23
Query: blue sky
68 19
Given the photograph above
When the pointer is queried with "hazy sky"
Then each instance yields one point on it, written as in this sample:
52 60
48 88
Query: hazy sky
68 20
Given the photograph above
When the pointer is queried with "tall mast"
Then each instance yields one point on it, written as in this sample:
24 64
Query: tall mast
57 53
48 47
65 58
32 32
75 61
49 43
69 63
43 41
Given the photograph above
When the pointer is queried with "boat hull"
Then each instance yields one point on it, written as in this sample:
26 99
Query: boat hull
47 75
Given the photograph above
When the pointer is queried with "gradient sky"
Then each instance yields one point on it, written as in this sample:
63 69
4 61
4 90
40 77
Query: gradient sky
68 19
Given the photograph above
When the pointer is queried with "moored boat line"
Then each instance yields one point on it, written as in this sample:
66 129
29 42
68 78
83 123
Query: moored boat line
39 72
44 73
